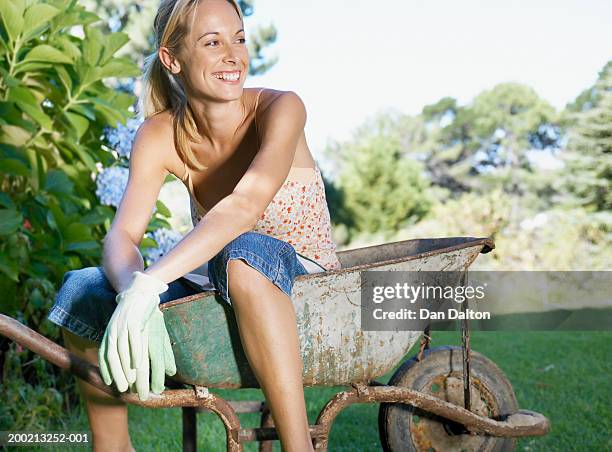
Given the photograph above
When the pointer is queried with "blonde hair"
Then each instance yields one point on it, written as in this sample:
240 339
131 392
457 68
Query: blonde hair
161 89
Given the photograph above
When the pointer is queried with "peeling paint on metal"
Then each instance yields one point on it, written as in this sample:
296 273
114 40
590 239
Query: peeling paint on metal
335 351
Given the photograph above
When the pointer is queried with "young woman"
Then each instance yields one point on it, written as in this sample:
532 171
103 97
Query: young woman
259 212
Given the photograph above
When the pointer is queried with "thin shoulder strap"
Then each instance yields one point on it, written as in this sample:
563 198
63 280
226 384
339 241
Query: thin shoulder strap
256 104
185 173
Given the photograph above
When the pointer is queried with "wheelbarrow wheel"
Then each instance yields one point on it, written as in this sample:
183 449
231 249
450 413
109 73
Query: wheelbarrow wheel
403 427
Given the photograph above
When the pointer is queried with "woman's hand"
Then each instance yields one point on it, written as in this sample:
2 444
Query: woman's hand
125 345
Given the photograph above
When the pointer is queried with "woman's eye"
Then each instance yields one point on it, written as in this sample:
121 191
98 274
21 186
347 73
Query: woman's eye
211 42
243 40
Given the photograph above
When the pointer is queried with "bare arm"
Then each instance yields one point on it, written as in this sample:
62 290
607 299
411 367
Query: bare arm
237 213
120 259
121 255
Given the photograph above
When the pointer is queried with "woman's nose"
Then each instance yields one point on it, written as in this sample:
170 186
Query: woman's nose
230 56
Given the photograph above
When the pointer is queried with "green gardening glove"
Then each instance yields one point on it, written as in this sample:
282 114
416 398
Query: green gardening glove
123 349
159 351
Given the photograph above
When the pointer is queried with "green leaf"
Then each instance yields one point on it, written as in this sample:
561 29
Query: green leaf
147 242
10 113
46 53
64 77
22 94
114 42
118 67
93 218
14 167
87 245
92 46
162 209
37 16
84 110
6 201
10 221
83 154
79 123
69 47
12 16
42 119
16 135
74 17
3 46
77 232
58 183
157 223
110 114
36 298
55 218
9 267
122 100
9 80
31 66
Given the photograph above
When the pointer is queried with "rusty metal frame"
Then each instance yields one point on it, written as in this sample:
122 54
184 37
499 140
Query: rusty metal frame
465 350
523 423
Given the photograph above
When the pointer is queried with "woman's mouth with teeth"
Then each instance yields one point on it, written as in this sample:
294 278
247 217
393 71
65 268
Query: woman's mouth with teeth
227 76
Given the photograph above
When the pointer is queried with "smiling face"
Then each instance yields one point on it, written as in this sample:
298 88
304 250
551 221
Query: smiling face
214 59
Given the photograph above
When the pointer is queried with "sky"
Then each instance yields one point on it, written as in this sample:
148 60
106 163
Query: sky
349 59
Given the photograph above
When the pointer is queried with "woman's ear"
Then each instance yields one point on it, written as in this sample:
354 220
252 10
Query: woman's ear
168 60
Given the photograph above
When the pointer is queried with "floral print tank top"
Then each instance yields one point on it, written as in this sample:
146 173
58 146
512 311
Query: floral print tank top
298 214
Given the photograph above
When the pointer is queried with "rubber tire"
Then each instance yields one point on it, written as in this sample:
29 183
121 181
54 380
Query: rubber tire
394 419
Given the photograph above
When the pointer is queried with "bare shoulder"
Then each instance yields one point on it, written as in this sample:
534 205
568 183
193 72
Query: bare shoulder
158 126
155 137
274 103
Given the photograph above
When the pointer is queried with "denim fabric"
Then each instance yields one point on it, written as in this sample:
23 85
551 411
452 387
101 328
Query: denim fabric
274 258
86 299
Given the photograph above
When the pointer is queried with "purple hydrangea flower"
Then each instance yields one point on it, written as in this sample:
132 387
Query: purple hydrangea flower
111 183
166 240
121 137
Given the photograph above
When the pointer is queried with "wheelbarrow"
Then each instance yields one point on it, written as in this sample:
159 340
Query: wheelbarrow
445 398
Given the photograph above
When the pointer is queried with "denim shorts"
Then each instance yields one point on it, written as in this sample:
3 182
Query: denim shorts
86 299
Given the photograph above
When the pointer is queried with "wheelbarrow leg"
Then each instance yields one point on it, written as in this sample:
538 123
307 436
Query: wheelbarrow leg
465 346
266 421
190 432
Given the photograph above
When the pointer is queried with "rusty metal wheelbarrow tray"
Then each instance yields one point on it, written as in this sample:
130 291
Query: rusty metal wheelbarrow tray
334 349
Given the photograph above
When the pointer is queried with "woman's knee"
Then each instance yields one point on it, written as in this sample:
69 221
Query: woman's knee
84 303
242 278
240 261
85 285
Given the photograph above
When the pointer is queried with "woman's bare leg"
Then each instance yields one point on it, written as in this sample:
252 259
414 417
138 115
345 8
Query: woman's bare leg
268 331
108 416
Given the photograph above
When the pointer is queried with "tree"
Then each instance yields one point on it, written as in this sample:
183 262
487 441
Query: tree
590 97
382 189
589 157
485 143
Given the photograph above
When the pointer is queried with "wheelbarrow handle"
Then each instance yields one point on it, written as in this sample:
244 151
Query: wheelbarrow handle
52 352
64 359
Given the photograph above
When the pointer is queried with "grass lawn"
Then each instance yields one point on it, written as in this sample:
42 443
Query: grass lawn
564 375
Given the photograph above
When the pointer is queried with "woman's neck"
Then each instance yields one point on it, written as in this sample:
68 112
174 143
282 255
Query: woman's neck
218 122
